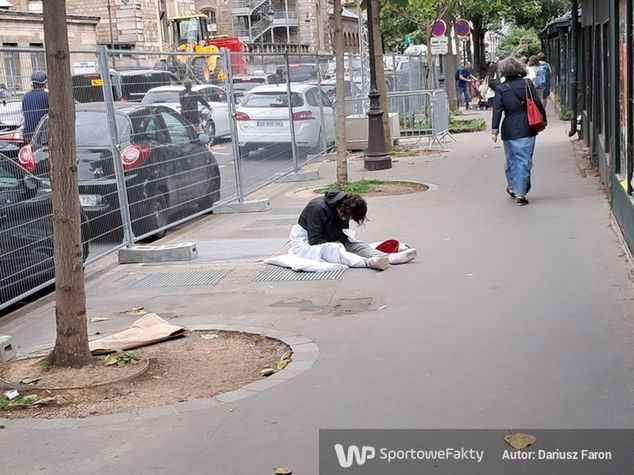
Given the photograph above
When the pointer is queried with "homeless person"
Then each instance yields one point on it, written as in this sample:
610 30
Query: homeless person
323 234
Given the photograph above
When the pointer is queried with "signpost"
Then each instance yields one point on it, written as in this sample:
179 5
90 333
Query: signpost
439 28
439 45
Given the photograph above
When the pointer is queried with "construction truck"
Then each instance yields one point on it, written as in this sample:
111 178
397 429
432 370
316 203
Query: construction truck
190 35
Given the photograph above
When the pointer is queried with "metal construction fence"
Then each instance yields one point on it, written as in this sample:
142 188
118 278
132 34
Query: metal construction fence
152 154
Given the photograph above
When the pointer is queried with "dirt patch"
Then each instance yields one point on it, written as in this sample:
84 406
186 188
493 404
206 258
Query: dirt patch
406 152
191 367
387 188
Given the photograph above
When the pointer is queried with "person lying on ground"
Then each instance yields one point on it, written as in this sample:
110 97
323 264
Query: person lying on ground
323 234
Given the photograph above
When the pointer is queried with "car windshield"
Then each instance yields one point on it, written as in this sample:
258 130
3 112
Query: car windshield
153 97
90 129
11 113
272 99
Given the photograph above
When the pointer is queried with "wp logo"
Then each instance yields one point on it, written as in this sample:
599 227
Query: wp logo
354 454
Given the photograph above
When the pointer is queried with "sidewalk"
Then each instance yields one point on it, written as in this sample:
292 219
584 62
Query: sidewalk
510 318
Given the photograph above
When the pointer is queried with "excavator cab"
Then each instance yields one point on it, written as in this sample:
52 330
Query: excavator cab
190 35
190 30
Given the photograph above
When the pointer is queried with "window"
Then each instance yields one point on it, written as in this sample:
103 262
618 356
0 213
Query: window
272 99
178 131
146 128
211 15
215 95
36 6
312 98
38 58
11 61
8 178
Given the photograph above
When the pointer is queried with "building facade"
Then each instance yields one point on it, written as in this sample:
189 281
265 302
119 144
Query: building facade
604 54
22 26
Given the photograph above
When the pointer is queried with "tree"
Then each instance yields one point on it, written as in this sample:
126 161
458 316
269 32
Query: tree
340 104
71 345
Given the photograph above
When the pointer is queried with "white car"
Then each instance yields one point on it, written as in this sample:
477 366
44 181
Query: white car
215 124
264 122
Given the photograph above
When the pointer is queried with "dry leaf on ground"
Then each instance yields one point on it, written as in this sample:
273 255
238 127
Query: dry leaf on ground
519 440
283 471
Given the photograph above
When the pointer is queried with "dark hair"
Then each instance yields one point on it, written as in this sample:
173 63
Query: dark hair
188 84
533 61
354 207
541 56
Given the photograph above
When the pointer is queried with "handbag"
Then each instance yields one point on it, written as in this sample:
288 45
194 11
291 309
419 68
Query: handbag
535 117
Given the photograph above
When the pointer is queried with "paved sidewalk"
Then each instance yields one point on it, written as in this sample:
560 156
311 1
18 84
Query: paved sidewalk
510 318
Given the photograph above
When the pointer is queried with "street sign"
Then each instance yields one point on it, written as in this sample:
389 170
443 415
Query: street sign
439 28
439 45
463 28
84 67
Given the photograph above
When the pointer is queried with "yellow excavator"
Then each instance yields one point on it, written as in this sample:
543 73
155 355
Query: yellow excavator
190 35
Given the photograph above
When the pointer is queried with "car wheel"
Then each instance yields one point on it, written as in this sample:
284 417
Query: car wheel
156 217
212 196
245 150
210 129
201 70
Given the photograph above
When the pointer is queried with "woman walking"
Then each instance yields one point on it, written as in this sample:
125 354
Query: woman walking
517 135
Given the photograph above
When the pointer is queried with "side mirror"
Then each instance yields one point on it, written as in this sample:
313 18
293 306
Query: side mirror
204 138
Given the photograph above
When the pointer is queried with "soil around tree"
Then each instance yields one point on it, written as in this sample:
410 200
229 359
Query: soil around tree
386 188
197 365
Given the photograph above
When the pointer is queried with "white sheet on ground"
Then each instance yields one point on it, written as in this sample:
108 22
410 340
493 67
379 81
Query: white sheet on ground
319 258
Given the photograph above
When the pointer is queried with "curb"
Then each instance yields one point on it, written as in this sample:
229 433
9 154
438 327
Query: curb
298 344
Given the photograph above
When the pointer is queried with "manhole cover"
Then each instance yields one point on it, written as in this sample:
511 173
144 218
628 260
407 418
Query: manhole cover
269 223
278 274
183 279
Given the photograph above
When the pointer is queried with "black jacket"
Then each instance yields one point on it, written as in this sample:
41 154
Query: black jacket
189 105
510 98
320 219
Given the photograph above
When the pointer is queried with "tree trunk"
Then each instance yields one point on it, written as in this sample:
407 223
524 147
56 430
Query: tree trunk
71 345
478 46
340 123
380 72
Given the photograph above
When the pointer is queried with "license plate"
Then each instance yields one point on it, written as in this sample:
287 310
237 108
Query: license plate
270 123
89 200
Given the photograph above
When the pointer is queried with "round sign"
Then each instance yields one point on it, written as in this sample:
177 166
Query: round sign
463 28
439 28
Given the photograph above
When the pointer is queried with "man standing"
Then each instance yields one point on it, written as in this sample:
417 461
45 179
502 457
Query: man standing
189 104
34 104
463 84
547 73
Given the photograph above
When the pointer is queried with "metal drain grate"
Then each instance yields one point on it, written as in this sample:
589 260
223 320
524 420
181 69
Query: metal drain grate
278 274
183 279
266 223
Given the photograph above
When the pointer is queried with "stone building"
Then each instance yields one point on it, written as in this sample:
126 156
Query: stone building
21 25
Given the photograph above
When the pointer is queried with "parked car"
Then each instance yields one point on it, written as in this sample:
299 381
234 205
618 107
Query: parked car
264 122
215 122
11 128
352 90
168 166
301 72
243 84
129 85
26 231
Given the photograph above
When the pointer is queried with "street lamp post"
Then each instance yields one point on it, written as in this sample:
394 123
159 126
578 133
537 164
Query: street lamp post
377 157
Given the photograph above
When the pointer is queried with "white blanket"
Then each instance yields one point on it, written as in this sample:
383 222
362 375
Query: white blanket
319 258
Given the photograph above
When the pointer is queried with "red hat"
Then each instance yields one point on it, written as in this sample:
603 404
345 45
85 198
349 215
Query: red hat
389 246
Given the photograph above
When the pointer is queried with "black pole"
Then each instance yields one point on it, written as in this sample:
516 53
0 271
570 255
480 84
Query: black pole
377 157
574 78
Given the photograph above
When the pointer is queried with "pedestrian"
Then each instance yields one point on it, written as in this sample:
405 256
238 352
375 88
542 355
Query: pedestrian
4 94
547 73
463 80
492 80
189 104
323 234
517 135
537 74
34 104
